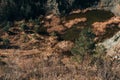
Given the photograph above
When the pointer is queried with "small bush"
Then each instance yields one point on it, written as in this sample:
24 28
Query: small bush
6 27
36 28
24 27
40 29
99 55
100 51
6 42
84 44
37 21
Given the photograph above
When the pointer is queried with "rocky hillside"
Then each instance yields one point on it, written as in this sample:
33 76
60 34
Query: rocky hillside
59 40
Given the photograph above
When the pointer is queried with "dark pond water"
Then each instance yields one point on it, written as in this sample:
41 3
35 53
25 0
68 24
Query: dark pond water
92 16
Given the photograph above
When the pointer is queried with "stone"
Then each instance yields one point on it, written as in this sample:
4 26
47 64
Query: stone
113 45
116 10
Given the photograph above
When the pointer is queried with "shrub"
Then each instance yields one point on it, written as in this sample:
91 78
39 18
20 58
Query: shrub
40 29
6 27
37 21
19 9
0 39
6 42
99 55
24 27
36 28
100 51
84 44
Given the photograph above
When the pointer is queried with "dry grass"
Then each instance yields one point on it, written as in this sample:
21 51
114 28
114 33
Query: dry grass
36 66
39 57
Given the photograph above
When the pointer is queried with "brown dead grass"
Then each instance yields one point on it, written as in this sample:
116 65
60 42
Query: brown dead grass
100 27
55 23
52 61
34 65
74 21
42 57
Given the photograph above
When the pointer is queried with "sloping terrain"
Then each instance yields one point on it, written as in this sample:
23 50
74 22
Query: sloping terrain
37 49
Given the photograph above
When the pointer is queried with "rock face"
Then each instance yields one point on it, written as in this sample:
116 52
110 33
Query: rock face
112 5
116 9
113 45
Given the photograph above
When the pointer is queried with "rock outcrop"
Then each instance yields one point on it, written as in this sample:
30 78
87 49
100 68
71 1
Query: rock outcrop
112 5
113 46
